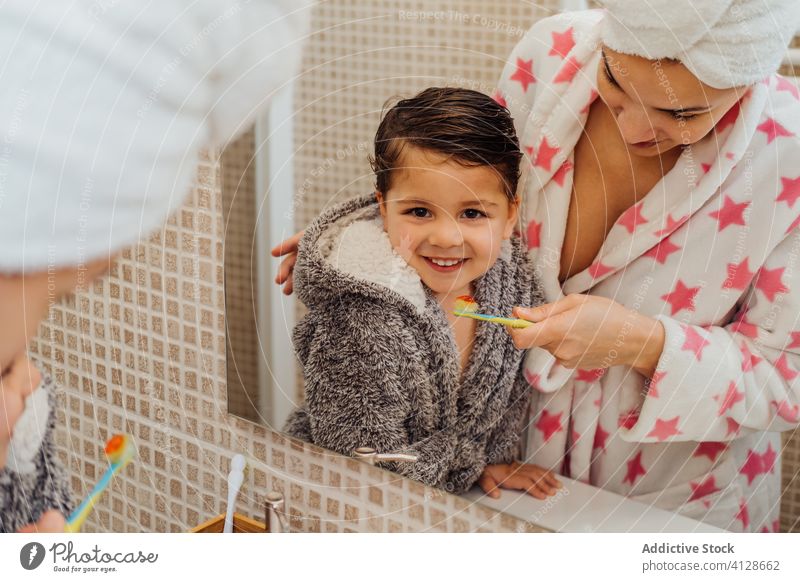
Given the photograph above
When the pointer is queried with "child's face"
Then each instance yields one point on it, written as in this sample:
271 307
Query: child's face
446 220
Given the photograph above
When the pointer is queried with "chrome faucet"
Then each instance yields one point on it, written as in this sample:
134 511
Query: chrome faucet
274 513
371 456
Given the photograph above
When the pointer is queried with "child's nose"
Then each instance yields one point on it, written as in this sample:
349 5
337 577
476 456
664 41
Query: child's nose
446 234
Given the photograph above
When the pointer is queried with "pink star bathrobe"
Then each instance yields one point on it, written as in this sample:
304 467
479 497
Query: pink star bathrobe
713 253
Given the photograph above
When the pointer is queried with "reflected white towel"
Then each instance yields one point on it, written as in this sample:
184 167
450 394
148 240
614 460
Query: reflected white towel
106 104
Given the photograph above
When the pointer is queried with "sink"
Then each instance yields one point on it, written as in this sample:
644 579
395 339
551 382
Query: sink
580 508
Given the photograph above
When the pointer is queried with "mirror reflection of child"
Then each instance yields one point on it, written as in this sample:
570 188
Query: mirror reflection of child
386 362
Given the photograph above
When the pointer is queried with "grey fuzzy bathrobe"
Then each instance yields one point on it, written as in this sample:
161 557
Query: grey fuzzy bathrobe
381 365
33 480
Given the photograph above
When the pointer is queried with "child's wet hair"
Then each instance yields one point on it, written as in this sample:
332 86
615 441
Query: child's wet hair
465 126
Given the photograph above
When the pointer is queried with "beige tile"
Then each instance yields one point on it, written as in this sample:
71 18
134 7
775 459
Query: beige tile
315 473
351 513
376 496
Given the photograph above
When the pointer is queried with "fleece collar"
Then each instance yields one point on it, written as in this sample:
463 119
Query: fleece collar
363 250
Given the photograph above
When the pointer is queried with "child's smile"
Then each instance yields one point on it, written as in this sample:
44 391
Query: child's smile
445 265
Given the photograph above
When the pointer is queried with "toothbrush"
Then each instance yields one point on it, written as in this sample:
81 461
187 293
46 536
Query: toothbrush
466 306
119 450
235 478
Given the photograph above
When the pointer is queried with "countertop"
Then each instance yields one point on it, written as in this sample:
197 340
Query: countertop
579 507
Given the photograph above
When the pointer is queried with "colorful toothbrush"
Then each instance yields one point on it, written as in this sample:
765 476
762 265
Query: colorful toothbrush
466 306
120 451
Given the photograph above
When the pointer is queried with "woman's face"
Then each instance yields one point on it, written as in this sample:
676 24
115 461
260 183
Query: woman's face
659 105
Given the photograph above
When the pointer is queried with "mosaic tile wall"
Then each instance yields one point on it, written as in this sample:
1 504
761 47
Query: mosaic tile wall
144 351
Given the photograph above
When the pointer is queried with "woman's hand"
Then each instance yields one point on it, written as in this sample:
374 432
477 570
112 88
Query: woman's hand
51 522
588 332
537 481
286 270
17 382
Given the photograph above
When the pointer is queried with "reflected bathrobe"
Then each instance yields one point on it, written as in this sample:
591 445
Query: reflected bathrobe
34 480
711 252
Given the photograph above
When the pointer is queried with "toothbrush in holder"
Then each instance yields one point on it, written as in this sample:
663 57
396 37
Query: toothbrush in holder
466 306
120 451
235 479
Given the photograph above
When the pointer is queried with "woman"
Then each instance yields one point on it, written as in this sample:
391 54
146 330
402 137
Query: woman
684 358
661 217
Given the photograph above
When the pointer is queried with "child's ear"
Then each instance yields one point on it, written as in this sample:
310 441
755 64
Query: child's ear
513 215
381 203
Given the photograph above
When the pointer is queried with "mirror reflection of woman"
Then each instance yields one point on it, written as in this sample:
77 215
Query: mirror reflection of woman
661 214
104 110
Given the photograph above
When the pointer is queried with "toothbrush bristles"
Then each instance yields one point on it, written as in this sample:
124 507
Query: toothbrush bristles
466 304
117 447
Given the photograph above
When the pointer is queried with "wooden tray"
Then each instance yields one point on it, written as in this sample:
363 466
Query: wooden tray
241 524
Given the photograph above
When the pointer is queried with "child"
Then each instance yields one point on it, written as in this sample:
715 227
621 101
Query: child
387 364
34 489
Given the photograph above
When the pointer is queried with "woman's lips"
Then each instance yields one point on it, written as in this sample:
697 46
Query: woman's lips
443 269
645 144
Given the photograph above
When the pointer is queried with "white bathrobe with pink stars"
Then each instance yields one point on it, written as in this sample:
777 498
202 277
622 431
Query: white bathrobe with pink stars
711 252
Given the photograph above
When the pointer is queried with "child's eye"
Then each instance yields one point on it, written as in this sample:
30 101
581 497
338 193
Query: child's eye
472 214
418 212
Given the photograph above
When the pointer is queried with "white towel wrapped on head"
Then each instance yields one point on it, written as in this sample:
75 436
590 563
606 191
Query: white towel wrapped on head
105 106
724 43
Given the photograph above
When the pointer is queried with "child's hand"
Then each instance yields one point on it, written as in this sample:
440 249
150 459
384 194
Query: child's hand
51 522
16 384
537 481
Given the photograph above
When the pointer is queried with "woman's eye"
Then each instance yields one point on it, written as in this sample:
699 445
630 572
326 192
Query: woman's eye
471 213
611 80
682 116
418 212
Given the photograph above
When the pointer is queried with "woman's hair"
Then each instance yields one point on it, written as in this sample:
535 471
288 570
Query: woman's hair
465 126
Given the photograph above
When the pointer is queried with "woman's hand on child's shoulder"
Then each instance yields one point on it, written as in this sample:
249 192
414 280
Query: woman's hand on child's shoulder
535 480
286 269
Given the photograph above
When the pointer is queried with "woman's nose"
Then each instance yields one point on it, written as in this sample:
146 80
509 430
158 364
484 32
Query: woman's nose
635 125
